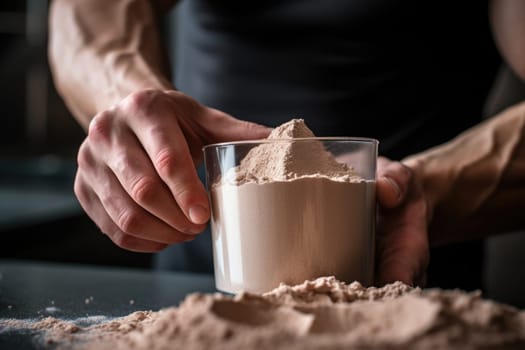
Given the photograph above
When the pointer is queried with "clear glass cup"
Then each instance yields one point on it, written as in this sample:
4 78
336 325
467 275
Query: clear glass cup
293 230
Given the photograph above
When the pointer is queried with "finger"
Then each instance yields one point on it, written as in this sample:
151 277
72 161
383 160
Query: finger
125 213
403 261
403 243
94 209
395 269
133 219
135 173
393 180
388 192
227 128
160 135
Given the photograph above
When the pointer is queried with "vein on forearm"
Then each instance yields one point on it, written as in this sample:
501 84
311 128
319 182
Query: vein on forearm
101 51
476 182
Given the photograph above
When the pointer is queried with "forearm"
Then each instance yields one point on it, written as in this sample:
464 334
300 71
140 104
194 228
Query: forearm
476 182
100 51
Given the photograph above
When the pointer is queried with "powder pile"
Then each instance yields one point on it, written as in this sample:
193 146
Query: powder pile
290 158
322 313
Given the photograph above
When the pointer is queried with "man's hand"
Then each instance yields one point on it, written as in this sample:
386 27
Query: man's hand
403 217
136 174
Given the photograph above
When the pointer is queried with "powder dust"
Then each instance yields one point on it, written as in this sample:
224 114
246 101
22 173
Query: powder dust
322 313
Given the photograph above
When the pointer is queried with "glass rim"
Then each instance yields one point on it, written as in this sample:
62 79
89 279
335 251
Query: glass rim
320 138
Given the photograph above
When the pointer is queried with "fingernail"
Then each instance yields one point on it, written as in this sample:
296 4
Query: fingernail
198 214
394 186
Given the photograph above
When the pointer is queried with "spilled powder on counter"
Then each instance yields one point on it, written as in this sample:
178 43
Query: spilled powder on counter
74 333
321 313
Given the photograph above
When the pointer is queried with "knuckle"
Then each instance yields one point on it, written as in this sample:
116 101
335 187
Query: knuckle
399 173
136 101
85 157
79 188
130 221
407 171
144 190
121 159
107 227
182 193
396 167
166 163
140 101
100 127
158 130
121 239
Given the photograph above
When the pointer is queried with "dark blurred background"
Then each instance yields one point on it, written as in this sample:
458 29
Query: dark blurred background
40 218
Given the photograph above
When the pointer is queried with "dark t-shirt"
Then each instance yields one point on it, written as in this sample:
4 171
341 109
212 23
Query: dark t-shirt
410 74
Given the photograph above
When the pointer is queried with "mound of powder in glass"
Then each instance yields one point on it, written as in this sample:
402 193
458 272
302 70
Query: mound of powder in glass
288 160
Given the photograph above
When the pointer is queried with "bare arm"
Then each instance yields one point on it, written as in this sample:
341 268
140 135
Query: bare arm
470 187
100 51
136 176
476 182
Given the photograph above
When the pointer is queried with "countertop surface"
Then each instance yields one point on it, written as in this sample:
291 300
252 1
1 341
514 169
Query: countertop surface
34 290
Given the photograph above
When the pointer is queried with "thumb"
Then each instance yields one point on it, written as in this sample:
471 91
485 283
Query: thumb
393 181
227 128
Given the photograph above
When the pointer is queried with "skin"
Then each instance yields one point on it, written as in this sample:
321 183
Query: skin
136 175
